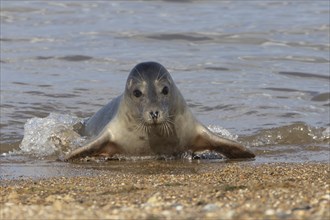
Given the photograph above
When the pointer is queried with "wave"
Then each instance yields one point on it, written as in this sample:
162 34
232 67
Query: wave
294 134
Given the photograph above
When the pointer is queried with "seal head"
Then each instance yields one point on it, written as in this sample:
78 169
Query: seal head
149 96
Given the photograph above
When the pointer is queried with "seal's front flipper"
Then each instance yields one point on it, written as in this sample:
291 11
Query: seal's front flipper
99 146
206 140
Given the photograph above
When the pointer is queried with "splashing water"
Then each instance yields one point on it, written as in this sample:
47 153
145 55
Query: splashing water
222 132
54 135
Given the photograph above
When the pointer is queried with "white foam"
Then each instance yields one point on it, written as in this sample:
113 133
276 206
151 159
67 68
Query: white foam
53 135
326 133
222 132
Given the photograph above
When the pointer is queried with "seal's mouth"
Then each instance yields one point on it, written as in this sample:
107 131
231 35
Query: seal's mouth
154 119
162 127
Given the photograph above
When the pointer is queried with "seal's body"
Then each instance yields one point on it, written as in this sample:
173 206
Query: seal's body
151 117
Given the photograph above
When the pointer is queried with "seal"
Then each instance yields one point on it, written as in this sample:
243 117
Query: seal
151 117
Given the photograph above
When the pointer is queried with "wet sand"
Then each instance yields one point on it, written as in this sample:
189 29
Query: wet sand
225 191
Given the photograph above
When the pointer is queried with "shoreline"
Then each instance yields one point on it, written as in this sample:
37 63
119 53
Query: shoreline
229 191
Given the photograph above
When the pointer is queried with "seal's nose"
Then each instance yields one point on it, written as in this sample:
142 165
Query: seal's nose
154 115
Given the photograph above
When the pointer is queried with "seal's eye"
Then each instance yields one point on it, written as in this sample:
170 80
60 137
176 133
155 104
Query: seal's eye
137 93
165 90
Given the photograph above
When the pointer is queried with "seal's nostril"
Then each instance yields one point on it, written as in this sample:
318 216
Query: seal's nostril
154 115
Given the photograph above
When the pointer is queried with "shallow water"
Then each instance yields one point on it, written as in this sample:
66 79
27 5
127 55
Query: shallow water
259 69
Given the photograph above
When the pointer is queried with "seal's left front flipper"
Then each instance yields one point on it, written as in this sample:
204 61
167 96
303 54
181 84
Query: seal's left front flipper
206 140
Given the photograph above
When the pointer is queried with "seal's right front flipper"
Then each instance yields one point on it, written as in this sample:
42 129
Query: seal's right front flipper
99 146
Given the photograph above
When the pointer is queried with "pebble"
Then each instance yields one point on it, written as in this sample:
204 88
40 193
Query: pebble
210 207
154 199
270 212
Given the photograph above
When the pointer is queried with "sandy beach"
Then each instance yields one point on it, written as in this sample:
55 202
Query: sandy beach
229 191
